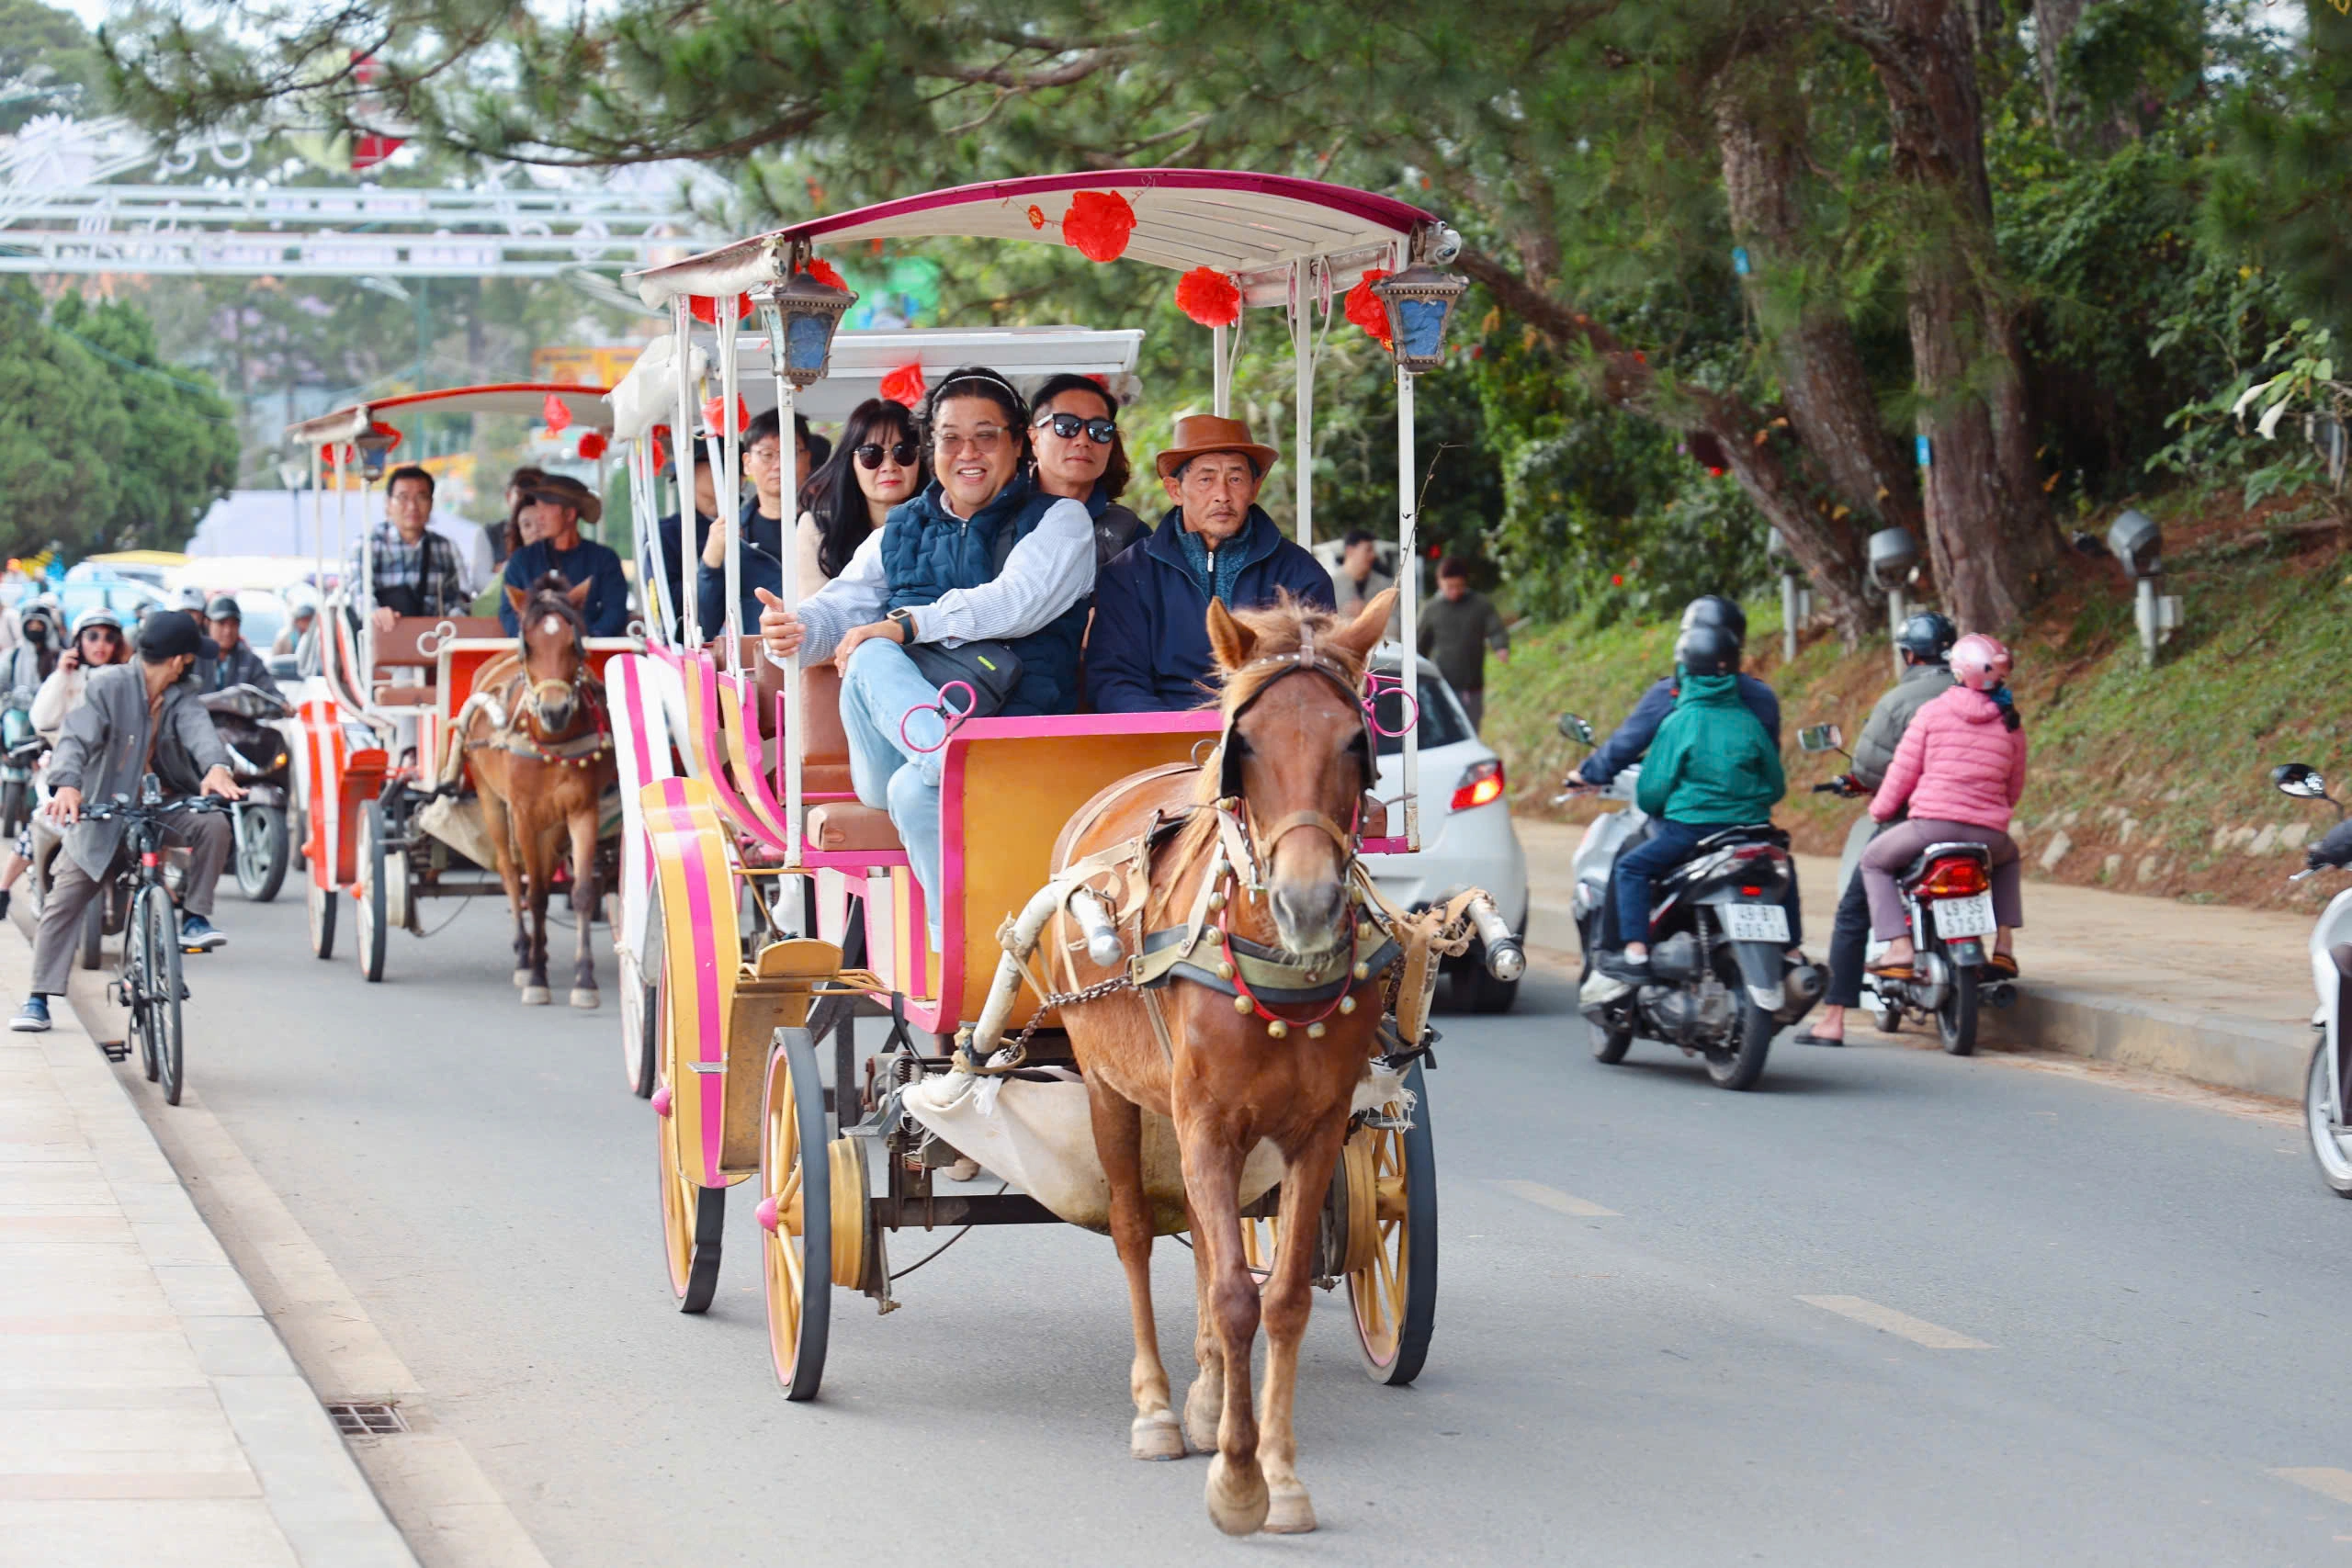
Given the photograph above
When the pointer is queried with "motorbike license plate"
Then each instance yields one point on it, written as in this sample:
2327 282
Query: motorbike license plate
1755 922
1972 916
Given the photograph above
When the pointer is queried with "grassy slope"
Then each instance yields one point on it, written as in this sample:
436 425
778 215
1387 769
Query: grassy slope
2157 781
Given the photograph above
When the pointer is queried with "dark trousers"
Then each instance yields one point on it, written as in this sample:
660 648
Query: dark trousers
1474 707
1849 937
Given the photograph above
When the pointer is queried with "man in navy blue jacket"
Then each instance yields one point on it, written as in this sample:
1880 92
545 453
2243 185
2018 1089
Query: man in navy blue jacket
563 503
1149 650
1631 737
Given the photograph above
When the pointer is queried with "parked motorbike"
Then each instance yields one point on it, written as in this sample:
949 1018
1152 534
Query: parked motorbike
260 759
20 750
1948 898
1721 986
2327 1088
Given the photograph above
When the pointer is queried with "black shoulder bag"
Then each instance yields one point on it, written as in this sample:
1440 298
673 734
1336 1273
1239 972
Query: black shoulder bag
991 669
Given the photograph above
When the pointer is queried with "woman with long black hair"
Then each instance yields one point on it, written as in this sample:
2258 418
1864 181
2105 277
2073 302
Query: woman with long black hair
878 464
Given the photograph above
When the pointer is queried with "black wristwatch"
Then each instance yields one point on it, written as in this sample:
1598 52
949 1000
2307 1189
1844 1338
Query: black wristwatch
905 621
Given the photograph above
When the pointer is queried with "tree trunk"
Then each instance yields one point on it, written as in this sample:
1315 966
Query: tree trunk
1988 532
2054 23
1761 132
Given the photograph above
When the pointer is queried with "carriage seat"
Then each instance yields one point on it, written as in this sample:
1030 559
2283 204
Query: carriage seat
852 825
824 761
398 648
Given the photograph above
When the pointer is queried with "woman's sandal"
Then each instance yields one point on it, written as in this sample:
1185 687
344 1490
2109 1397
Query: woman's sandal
1894 971
2003 964
1810 1038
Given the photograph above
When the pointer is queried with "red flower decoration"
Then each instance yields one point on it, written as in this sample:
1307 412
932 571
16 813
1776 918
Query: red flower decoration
705 309
827 274
1208 297
905 384
557 414
1098 223
1037 215
591 445
1365 309
714 409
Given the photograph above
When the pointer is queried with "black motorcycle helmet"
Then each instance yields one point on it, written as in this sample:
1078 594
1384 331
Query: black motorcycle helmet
1707 650
1928 637
1714 610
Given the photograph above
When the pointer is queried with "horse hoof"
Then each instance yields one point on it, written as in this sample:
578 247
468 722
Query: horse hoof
536 996
1289 1512
585 997
1202 1407
1156 1436
522 978
1236 1508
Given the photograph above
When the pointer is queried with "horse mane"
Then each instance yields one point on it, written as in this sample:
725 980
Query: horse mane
1280 630
546 597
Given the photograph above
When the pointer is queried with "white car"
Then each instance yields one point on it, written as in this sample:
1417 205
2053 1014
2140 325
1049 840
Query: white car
1467 840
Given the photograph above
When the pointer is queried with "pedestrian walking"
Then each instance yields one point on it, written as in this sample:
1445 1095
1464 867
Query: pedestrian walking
1457 628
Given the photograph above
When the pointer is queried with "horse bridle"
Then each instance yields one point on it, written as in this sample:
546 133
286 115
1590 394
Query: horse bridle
1305 659
583 689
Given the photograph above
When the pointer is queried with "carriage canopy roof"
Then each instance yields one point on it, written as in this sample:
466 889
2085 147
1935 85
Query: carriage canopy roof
589 410
1251 226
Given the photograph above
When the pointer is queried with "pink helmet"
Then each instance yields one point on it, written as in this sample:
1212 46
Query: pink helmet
1979 663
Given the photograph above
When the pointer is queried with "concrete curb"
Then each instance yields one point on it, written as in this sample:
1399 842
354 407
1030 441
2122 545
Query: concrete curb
313 1488
2222 1049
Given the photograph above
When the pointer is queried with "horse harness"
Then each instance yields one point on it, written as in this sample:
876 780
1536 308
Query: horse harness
520 700
1204 951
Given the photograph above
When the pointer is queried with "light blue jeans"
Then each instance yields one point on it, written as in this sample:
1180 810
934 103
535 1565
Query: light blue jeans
882 684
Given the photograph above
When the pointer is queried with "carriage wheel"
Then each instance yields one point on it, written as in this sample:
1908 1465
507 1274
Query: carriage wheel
321 902
796 1213
1259 1238
373 869
1395 1294
694 1217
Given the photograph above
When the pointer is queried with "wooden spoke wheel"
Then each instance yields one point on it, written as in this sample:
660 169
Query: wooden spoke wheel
372 899
694 1217
1391 1262
1259 1240
796 1213
321 902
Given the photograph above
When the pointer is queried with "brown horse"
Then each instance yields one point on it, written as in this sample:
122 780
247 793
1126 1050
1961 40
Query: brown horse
1295 765
542 744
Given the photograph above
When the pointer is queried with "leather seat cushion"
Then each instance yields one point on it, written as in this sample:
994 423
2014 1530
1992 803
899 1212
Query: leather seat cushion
849 825
405 696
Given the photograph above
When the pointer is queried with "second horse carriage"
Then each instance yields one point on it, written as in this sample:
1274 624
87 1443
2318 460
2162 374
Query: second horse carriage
390 812
1192 1053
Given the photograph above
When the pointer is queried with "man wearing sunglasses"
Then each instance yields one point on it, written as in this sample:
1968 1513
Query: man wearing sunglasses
1149 650
1074 436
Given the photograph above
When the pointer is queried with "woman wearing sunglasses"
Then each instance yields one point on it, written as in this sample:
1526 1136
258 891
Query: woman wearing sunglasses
877 464
1074 435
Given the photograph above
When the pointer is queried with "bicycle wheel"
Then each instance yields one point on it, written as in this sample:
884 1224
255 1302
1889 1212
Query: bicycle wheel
159 926
131 990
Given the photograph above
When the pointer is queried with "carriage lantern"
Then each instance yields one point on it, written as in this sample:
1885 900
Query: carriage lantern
1420 301
375 444
800 315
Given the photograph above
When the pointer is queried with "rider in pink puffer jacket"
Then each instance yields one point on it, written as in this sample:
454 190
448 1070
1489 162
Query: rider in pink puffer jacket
1959 770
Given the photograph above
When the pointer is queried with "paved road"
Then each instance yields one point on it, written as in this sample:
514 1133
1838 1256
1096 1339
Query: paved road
1632 1363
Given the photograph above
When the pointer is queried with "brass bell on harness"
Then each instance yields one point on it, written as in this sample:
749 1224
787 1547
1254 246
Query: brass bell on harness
1216 900
1347 1004
1224 970
1278 1029
1314 1031
1241 1004
1362 971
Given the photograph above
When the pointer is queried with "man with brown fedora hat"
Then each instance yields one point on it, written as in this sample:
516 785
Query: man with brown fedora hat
559 503
1149 649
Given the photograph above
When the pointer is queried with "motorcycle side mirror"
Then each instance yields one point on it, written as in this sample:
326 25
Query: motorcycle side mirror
1821 738
2299 779
1575 728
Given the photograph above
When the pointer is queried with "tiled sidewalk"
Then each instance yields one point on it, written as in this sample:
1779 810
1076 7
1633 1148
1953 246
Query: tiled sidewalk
149 1415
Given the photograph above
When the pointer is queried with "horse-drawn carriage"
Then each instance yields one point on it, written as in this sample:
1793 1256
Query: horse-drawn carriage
388 813
1059 835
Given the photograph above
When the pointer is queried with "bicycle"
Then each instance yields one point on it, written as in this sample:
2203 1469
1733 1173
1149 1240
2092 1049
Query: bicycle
149 984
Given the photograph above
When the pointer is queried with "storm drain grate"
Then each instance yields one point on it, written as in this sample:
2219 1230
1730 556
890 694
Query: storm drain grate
355 1420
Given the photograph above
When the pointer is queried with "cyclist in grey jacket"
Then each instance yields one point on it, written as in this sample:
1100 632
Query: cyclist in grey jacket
1925 642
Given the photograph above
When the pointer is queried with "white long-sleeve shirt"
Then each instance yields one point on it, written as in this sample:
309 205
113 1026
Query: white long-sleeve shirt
1049 569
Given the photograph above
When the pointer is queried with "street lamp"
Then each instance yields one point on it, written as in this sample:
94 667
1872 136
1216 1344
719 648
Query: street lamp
1893 554
1420 301
2136 541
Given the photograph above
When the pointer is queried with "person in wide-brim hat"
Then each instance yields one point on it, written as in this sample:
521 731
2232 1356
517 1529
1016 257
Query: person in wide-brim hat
562 489
1149 649
1197 434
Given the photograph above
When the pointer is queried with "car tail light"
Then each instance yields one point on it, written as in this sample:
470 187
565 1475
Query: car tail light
1481 783
1953 879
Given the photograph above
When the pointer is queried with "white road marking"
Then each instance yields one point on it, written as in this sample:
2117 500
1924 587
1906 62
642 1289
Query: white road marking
2326 1481
1917 1330
1552 1198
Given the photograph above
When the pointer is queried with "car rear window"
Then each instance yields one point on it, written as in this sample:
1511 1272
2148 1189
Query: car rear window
1443 721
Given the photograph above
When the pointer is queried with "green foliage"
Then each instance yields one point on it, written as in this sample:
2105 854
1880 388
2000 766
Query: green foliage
48 65
183 451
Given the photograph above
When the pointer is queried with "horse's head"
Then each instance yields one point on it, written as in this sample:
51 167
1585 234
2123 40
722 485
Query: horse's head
554 625
1297 751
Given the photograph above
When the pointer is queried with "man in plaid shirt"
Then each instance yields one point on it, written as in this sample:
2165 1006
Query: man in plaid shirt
416 570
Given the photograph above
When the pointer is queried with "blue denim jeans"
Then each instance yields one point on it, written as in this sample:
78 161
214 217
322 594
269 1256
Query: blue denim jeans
881 686
1669 845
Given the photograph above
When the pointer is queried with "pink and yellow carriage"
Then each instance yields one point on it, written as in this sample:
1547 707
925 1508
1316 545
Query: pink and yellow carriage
755 830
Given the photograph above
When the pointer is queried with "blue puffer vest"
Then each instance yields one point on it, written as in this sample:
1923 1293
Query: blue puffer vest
926 551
